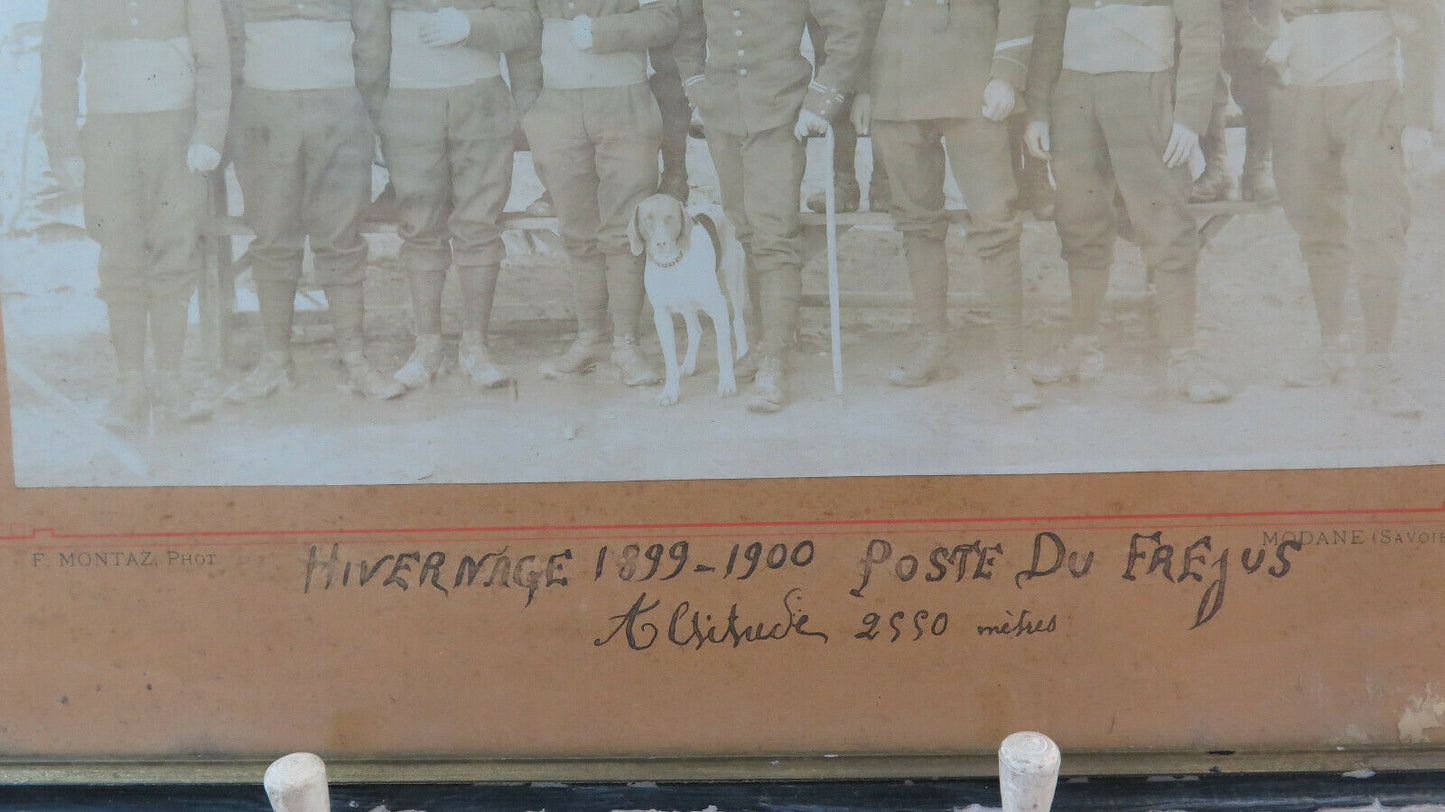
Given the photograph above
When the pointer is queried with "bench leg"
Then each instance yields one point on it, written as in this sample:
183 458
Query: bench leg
217 289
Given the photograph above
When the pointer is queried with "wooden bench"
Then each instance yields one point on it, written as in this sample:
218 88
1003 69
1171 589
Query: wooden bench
218 283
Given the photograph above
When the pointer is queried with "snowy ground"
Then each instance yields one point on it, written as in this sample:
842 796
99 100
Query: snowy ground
1255 319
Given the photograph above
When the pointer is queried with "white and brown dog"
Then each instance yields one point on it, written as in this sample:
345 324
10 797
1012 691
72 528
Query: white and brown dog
694 262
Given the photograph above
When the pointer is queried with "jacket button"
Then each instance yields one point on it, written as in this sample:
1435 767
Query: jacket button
737 12
742 71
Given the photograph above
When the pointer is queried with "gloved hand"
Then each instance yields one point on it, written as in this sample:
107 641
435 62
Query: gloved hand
862 113
448 26
809 123
1036 138
1183 143
582 32
202 158
998 100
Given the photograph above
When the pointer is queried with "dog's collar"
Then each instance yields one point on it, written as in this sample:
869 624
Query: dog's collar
665 263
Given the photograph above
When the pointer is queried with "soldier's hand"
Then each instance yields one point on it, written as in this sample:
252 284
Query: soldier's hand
862 113
809 123
1183 143
448 26
70 173
998 100
1036 138
582 32
202 158
1419 147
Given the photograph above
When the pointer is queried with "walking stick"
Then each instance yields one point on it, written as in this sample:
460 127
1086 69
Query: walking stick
830 198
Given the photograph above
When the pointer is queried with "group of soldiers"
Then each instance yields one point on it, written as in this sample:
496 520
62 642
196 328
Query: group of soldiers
1116 95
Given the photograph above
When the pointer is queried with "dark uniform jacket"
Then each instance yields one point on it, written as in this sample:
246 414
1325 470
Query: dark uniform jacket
1199 37
505 26
932 58
70 23
370 20
742 66
1417 24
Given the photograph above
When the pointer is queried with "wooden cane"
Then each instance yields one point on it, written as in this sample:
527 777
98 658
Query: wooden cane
830 199
297 783
1028 769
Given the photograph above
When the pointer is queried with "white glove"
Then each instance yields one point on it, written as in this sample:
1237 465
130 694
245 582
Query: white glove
998 100
202 158
809 123
582 32
1036 138
448 26
1419 147
1183 143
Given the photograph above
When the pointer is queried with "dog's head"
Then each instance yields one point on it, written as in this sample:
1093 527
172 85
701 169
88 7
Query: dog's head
661 227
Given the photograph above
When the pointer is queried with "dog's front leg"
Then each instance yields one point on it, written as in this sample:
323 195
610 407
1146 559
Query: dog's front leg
727 383
694 338
662 318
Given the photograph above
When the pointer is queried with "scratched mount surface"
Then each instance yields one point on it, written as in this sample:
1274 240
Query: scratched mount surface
899 636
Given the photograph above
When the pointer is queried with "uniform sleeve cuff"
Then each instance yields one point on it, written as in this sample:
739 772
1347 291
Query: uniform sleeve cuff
822 100
1010 70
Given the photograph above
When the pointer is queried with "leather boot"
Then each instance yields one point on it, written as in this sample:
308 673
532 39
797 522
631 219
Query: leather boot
1187 377
848 193
770 387
587 351
923 364
425 361
632 364
1257 183
347 313
1216 183
1019 387
1080 358
880 191
174 401
1326 365
130 407
475 361
274 373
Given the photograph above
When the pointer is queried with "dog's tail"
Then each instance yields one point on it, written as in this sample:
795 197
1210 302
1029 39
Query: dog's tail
732 269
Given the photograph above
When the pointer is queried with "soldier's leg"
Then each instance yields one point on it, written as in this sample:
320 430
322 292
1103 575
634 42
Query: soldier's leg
269 167
480 150
1137 116
676 116
414 138
845 170
1217 182
1312 191
913 149
338 152
115 200
726 152
1084 215
179 214
773 163
563 154
626 126
1031 175
1380 206
978 150
1251 82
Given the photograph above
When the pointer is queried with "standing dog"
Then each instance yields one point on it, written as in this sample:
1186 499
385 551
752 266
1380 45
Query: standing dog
694 262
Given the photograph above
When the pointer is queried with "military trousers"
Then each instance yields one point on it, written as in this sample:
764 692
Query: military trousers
760 177
142 205
978 150
1108 134
304 163
449 152
1342 182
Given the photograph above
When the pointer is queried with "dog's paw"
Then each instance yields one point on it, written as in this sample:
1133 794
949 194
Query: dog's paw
726 387
668 396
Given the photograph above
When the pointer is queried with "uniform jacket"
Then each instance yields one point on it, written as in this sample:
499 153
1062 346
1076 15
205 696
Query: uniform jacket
370 20
743 67
511 27
1418 26
1199 37
932 58
70 23
618 25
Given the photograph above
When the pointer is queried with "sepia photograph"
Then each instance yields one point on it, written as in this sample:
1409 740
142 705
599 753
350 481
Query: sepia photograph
355 242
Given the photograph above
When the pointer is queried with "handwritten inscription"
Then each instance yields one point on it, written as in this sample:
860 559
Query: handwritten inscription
696 628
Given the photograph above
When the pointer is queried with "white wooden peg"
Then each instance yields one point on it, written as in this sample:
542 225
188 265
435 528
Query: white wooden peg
297 783
1028 769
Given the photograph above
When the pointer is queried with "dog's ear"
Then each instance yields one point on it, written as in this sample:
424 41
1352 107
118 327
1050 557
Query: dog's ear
634 233
684 239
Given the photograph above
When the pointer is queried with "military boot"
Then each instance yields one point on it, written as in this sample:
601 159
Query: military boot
421 368
880 191
274 373
1079 358
366 380
1385 391
347 316
632 364
475 360
770 387
1216 184
1187 377
1257 183
174 401
848 195
587 351
1326 365
923 364
1022 393
129 408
